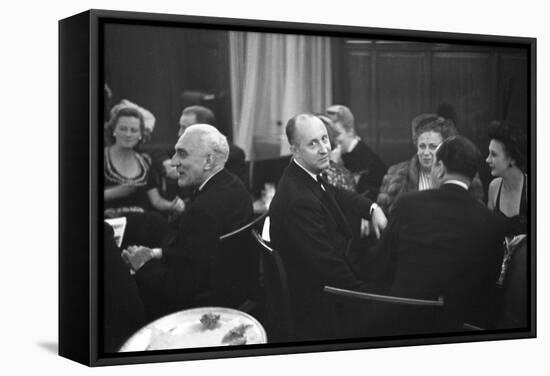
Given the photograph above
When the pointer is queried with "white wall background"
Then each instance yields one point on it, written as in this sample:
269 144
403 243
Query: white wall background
28 268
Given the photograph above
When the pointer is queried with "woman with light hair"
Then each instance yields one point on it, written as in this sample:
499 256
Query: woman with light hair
130 188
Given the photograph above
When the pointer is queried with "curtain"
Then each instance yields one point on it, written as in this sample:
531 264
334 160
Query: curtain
274 77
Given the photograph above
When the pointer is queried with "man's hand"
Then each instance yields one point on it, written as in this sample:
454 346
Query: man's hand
169 170
365 228
136 257
379 221
336 155
178 205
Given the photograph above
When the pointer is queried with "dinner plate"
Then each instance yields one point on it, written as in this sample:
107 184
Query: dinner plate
184 329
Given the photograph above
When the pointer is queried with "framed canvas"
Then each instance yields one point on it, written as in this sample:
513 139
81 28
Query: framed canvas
155 70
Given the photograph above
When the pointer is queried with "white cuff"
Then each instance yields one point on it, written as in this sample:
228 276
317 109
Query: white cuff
156 252
373 207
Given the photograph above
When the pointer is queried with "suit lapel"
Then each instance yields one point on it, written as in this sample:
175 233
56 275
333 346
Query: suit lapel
336 210
326 199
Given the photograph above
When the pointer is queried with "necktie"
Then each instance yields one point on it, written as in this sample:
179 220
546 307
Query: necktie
334 208
321 182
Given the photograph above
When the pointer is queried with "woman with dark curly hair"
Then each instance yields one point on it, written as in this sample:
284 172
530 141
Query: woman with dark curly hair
508 198
508 189
428 131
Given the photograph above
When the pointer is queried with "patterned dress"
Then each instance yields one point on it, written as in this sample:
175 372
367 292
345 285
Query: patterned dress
137 201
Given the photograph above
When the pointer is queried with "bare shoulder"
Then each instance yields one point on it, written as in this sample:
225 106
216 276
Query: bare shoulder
495 183
492 194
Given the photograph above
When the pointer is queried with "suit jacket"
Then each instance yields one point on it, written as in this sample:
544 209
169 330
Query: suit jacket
443 242
184 276
312 235
362 161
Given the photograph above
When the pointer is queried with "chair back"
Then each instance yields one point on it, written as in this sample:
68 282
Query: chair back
237 277
379 315
277 313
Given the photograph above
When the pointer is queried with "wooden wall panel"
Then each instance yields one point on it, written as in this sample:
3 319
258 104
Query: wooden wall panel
464 79
401 94
386 84
513 89
360 83
153 66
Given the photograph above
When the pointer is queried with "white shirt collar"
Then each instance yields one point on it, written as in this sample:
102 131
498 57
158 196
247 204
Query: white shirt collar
206 181
457 182
306 170
353 144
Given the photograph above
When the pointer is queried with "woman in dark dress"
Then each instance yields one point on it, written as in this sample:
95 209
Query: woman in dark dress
508 189
508 198
129 182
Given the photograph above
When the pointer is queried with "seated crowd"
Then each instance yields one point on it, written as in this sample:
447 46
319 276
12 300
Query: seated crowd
339 217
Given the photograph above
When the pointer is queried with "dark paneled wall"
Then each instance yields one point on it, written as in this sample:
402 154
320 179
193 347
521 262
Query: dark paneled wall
386 84
153 66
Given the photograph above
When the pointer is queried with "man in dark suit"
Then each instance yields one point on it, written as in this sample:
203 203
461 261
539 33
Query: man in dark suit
183 274
366 166
442 243
309 229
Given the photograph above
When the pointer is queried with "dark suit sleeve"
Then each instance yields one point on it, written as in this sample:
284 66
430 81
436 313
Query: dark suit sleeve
352 202
384 253
182 275
315 247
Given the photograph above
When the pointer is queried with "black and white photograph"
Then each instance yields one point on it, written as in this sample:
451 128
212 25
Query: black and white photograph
270 184
281 190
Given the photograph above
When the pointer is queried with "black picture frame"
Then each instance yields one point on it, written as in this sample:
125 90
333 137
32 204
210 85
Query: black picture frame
80 99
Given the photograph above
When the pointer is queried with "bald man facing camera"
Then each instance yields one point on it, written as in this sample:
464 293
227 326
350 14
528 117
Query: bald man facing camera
309 228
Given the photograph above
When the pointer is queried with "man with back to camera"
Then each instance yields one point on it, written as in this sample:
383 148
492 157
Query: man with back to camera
181 275
310 230
357 157
442 243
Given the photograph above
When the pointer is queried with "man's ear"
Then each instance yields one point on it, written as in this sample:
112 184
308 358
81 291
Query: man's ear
209 162
292 148
442 170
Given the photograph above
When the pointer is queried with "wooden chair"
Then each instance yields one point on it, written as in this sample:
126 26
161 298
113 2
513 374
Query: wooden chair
236 279
368 314
384 298
277 313
244 229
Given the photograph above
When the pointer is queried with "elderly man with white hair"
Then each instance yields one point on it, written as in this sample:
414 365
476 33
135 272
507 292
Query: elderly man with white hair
182 275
